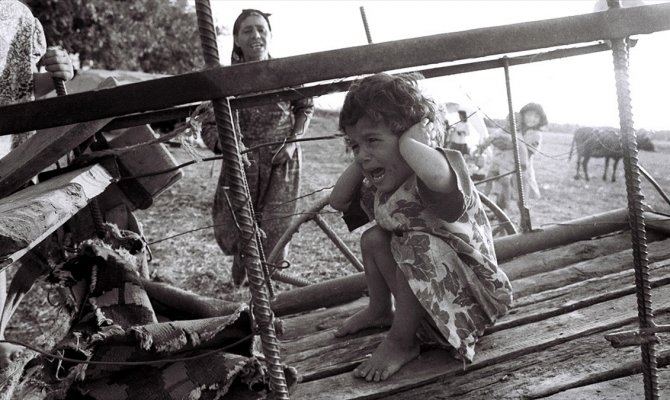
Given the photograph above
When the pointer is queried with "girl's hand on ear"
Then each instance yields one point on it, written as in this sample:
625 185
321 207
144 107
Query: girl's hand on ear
422 132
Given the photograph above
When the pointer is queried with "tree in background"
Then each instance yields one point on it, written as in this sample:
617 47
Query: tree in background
156 36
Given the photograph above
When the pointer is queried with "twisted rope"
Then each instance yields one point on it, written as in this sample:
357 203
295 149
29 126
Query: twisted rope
250 253
635 216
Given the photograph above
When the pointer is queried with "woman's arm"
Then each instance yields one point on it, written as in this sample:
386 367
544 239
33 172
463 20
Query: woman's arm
302 113
346 187
58 65
428 164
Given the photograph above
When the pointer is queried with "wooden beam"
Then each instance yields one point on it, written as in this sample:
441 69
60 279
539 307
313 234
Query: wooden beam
30 215
44 149
294 71
342 86
508 247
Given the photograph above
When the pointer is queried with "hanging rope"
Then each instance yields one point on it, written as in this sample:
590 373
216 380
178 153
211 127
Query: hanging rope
250 256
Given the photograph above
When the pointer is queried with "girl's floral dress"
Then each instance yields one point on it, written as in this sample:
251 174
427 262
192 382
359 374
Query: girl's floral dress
445 249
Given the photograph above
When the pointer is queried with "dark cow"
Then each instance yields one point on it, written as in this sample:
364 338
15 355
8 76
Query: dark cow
603 142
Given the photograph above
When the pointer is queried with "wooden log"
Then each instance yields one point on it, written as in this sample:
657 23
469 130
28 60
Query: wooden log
179 304
656 222
496 348
30 215
324 294
280 73
508 247
45 148
620 261
552 259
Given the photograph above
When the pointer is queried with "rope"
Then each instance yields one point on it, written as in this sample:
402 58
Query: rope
635 207
250 254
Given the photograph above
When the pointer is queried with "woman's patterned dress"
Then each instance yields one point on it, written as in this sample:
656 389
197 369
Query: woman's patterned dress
445 250
22 45
273 188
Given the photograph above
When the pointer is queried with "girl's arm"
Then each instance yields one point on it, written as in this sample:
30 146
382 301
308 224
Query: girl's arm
346 187
428 164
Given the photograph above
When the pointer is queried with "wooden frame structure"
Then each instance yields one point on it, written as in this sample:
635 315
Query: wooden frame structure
274 76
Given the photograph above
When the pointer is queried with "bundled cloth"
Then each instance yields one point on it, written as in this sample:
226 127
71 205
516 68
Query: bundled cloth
130 354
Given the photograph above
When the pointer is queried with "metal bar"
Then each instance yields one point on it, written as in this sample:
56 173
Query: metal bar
635 215
250 255
365 25
279 73
523 209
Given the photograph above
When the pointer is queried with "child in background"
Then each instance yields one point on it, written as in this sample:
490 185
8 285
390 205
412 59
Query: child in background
532 120
431 248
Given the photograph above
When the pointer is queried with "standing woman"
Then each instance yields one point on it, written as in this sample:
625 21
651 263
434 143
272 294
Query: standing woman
273 174
22 49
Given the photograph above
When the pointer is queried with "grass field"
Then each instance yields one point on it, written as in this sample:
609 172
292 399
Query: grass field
194 262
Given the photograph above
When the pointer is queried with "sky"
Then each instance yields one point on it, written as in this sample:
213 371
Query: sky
579 90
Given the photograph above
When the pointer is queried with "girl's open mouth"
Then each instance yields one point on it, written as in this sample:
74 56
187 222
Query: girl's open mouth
377 175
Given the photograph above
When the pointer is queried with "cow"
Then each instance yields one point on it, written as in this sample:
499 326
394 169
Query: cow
603 142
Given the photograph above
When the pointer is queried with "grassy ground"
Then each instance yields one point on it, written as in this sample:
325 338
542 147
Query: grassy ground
194 262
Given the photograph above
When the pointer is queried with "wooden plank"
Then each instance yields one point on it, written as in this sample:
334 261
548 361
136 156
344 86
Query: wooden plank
568 365
307 324
495 348
45 148
254 100
630 387
535 307
578 295
280 73
30 215
316 329
348 288
313 323
616 262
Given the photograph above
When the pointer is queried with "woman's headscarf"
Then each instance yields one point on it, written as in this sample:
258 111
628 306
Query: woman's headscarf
237 56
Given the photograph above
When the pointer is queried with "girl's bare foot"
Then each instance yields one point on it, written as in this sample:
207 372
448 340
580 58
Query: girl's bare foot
364 319
389 357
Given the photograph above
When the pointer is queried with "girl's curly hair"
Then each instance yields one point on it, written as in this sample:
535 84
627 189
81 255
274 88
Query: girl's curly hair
395 100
